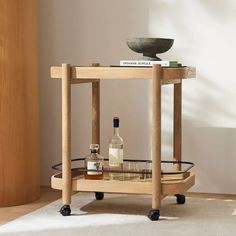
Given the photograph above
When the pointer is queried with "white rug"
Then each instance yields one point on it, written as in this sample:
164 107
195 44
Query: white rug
126 215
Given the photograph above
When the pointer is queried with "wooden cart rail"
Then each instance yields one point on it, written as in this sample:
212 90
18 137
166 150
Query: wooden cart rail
132 187
90 74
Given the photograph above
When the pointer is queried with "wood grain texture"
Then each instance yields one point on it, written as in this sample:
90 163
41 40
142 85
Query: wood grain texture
177 124
136 187
156 136
96 111
170 75
66 134
19 109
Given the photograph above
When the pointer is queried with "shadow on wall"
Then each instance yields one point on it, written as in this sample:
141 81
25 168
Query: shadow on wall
219 10
209 117
67 30
213 150
205 102
191 22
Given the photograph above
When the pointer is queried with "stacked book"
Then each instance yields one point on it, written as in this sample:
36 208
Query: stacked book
143 63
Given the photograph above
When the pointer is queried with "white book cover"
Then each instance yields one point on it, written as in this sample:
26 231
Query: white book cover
143 63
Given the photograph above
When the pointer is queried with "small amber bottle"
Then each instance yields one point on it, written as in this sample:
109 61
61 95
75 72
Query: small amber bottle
94 163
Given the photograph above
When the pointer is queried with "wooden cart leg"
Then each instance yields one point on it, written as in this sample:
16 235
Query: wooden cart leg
96 120
180 198
156 143
96 111
177 125
66 140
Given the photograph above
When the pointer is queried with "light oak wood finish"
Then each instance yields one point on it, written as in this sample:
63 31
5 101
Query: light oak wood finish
82 81
167 187
66 134
47 195
177 139
157 187
96 111
19 105
156 136
169 74
178 186
177 176
113 186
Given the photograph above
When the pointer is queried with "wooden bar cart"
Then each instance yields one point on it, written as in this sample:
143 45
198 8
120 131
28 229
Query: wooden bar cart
72 180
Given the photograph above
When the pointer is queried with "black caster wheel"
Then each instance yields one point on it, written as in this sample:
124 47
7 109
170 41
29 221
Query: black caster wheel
180 198
65 210
99 195
154 215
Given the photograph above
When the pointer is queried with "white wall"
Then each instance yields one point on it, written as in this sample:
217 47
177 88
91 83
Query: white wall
82 32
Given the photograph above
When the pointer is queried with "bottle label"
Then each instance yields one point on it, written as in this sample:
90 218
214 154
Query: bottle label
115 156
93 165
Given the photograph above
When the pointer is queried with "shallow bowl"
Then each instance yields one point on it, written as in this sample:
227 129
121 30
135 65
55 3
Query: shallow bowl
149 47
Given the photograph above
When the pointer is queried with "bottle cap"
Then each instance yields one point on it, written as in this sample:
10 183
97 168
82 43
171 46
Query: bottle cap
116 122
94 147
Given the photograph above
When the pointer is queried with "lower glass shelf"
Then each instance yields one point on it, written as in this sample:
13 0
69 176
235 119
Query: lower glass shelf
135 177
135 186
135 168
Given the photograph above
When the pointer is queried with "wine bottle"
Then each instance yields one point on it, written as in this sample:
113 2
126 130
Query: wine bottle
116 145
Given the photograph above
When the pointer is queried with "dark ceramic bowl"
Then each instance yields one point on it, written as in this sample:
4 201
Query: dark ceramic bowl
149 47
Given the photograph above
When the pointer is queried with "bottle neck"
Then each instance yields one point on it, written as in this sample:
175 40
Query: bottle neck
116 131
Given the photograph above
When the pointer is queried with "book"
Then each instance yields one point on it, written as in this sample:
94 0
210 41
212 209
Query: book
148 63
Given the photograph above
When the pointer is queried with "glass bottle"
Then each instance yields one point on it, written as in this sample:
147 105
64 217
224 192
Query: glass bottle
94 163
116 145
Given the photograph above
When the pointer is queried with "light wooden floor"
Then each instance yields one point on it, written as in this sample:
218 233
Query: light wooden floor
49 195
